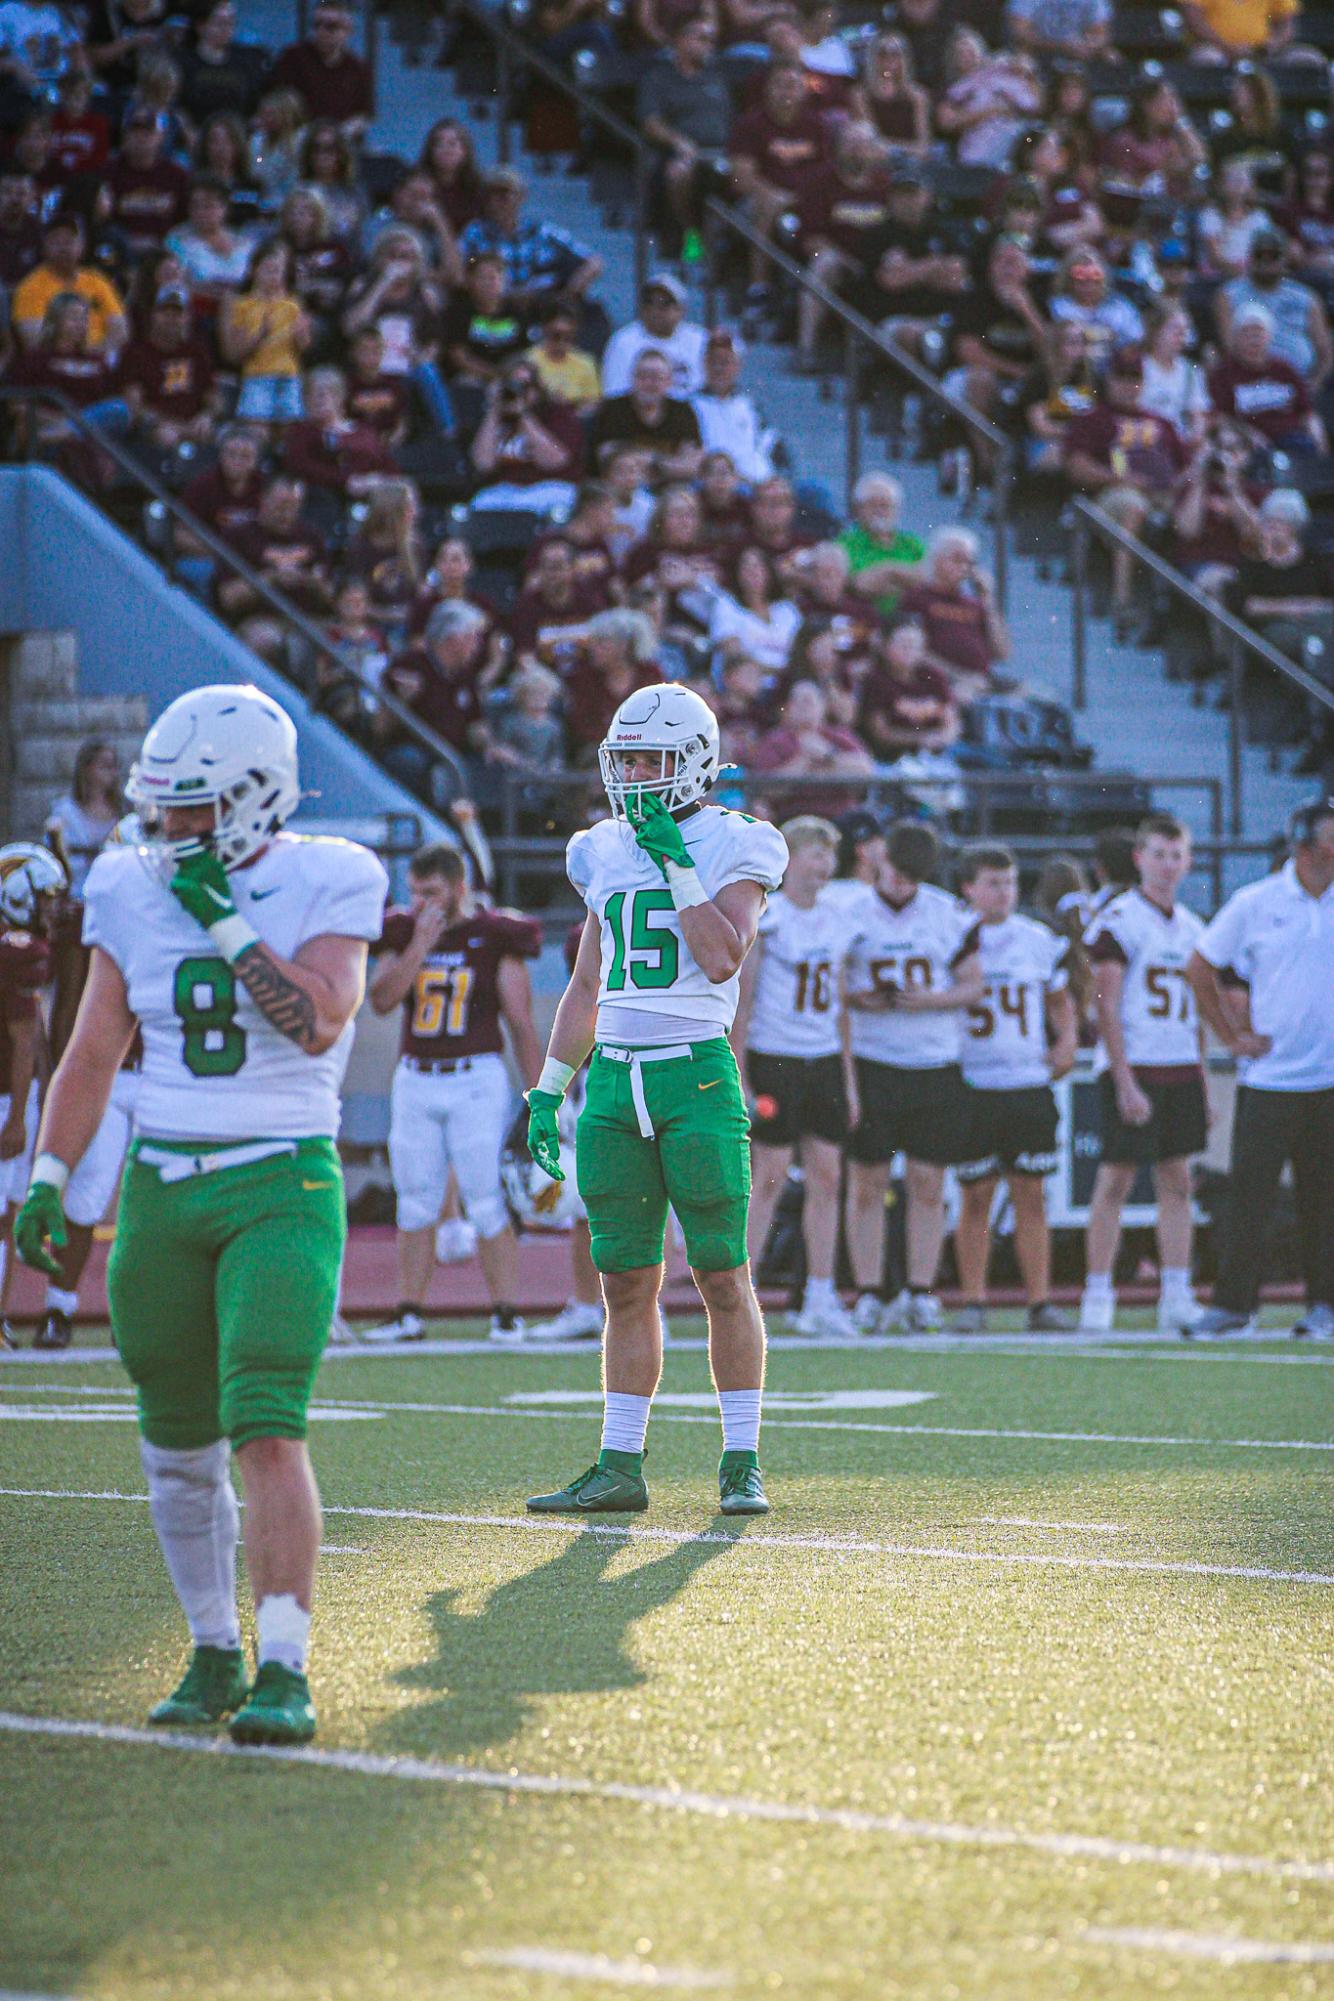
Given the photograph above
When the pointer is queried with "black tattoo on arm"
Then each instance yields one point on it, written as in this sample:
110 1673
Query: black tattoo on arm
283 1004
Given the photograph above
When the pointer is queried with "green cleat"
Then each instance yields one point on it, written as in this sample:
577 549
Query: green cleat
615 1486
213 1685
741 1485
279 1711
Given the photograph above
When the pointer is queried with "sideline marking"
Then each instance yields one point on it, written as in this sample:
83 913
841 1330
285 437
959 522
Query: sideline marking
774 1400
596 1966
826 1545
1202 1945
712 1806
13 1413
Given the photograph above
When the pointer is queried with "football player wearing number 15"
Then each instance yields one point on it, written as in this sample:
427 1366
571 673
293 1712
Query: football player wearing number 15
675 890
240 952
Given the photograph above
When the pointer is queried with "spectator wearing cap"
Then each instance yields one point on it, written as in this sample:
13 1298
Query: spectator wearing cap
332 81
955 600
1125 458
327 450
149 193
1060 30
1250 382
527 452
62 270
539 259
684 108
844 207
882 558
1277 935
650 417
1085 295
910 277
1301 335
728 419
661 325
773 151
567 374
167 377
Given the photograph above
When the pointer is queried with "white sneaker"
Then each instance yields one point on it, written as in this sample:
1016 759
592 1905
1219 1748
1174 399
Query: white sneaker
511 1336
868 1315
342 1334
455 1241
1178 1312
925 1314
407 1327
1096 1315
826 1319
1316 1324
896 1318
574 1322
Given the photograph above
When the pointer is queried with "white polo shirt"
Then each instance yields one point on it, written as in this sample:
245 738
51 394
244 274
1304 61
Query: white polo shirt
1280 940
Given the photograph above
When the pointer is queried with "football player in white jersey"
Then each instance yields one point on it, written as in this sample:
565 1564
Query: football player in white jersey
788 1036
1018 1039
675 890
1153 1104
913 967
240 952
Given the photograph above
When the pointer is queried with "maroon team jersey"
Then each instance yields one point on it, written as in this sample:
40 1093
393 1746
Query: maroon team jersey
24 964
454 1006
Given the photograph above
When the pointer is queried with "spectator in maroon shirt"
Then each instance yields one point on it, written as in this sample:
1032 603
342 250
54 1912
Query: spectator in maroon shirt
956 603
375 399
773 524
20 231
907 704
328 450
724 509
65 361
589 532
289 553
844 208
447 155
551 613
774 150
525 444
80 136
331 81
167 377
226 498
806 745
1251 384
1216 517
149 194
387 551
618 656
438 680
1124 458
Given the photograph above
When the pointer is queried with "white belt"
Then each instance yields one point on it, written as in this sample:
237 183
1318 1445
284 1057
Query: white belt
180 1166
672 1052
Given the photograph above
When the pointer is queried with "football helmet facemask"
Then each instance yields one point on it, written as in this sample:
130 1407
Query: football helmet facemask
677 726
27 874
231 748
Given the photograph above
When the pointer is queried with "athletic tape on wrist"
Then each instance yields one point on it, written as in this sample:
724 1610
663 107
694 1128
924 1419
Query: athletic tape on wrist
685 885
232 936
48 1168
555 1077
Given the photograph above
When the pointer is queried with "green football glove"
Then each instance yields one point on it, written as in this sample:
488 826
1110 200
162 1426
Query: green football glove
39 1221
544 1133
656 831
201 887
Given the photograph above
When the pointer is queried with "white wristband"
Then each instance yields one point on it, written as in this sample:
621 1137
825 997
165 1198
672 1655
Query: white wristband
555 1077
54 1172
232 936
686 887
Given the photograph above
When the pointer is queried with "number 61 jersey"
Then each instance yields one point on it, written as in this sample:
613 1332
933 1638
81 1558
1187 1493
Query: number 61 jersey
651 991
213 1067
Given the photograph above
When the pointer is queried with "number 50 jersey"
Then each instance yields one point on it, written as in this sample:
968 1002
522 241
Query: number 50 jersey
213 1066
651 991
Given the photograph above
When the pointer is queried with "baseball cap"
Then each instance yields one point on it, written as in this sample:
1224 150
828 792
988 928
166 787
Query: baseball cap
666 281
172 295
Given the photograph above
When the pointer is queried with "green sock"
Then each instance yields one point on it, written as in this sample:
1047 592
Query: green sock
730 1459
621 1462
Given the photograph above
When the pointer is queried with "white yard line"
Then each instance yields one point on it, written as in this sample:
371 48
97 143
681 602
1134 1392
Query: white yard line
596 1967
762 1544
710 1806
1204 1945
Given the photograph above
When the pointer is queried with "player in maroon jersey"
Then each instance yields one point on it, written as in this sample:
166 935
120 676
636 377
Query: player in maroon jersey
457 972
30 880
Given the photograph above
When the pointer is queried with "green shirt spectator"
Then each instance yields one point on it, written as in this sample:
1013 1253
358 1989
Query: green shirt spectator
882 558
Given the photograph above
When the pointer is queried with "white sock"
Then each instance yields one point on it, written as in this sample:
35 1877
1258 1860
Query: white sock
61 1302
198 1524
819 1291
1175 1281
1098 1285
624 1421
741 1419
284 1631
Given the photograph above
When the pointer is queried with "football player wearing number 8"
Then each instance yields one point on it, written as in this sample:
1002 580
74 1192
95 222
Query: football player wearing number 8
1018 1039
1153 1106
675 890
240 952
788 1036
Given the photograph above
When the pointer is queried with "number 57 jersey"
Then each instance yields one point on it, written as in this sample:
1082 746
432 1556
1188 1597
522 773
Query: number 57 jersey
213 1066
651 991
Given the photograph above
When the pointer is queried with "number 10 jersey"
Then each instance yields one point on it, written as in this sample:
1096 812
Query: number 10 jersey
795 1010
214 1068
651 991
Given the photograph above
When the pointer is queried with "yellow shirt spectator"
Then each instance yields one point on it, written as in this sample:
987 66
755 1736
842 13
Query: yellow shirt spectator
274 321
106 311
573 379
1243 24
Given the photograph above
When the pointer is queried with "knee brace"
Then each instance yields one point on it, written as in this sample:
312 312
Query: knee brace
198 1523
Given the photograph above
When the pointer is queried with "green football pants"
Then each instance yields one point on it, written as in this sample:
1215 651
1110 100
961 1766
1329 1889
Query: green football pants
697 1162
223 1289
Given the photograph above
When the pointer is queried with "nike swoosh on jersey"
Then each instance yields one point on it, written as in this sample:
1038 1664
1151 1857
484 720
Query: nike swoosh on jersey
258 895
316 1184
713 1086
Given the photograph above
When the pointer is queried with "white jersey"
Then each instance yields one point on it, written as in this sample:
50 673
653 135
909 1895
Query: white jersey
916 945
795 1006
1159 1021
213 1067
651 991
1005 1034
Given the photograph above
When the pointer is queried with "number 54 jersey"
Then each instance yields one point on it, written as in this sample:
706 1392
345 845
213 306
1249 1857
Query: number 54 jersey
213 1067
651 991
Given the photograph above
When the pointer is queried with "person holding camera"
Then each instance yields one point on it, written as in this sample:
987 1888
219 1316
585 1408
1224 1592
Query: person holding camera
527 451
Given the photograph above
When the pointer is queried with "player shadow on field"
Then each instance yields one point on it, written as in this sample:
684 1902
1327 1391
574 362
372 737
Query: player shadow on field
560 1629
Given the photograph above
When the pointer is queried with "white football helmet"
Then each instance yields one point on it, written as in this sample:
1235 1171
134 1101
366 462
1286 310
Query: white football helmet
680 727
28 873
231 748
534 1200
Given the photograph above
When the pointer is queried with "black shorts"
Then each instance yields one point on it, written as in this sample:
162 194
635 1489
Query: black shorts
920 1113
1010 1132
807 1094
1177 1128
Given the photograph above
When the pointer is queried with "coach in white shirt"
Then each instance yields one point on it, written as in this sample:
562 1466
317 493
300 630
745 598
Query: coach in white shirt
1278 936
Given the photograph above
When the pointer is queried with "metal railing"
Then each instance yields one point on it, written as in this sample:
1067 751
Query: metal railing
1236 638
862 340
292 619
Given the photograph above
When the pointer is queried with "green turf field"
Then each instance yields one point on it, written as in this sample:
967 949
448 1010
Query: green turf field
1024 1690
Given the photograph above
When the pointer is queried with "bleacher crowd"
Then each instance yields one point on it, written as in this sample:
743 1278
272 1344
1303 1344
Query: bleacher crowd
390 386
